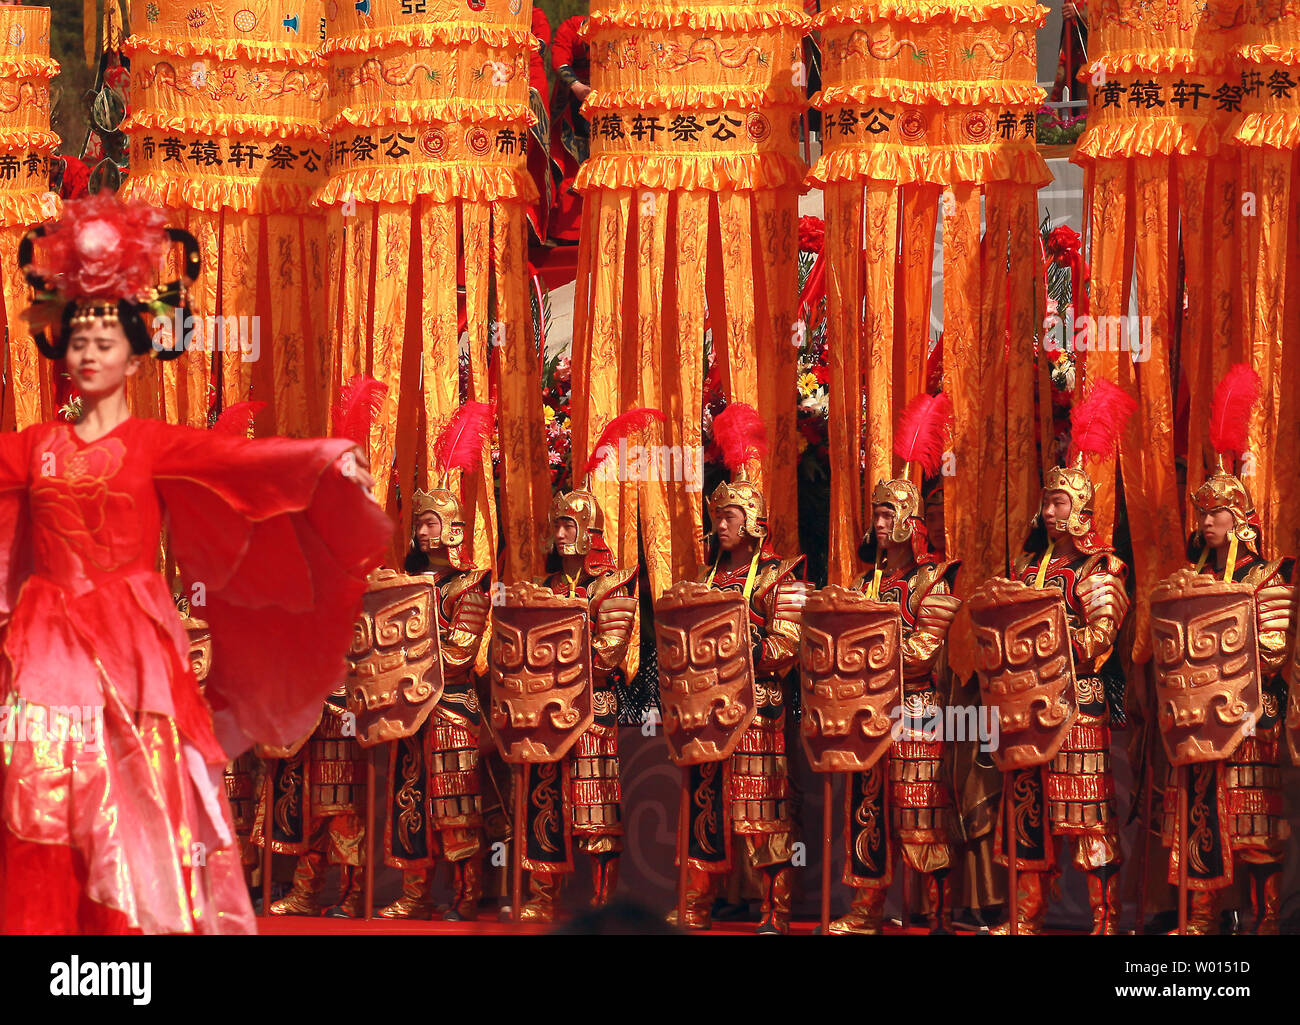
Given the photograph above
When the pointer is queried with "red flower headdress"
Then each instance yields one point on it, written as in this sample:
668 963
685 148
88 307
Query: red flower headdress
103 252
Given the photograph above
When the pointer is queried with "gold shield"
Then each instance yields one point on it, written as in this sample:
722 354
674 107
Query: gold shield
851 663
395 675
1026 669
1206 655
540 656
706 671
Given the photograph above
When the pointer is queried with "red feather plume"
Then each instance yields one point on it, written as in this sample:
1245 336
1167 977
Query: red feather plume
238 419
460 443
620 427
1097 421
922 429
358 405
741 434
1234 401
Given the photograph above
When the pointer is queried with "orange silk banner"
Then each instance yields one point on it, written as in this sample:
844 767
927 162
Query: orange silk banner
26 143
225 127
1163 95
690 227
1267 135
427 122
928 112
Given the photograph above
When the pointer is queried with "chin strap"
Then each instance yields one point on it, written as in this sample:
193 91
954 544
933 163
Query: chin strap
873 588
1232 559
750 577
1040 578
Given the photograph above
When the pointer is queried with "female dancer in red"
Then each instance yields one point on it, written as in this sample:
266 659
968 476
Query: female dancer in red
113 816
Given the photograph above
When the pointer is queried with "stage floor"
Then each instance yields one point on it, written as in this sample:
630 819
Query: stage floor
290 925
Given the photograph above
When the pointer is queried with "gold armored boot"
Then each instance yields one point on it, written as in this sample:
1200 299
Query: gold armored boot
416 901
1103 897
467 885
544 890
866 914
1264 895
604 870
936 885
304 898
700 887
1202 913
354 894
1029 887
774 913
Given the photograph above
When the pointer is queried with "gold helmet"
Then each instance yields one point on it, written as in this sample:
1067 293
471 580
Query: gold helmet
746 497
742 436
919 438
901 496
1075 482
1096 423
1235 398
1224 491
459 446
443 504
579 505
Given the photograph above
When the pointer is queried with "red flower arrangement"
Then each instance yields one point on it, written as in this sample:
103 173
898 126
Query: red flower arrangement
812 234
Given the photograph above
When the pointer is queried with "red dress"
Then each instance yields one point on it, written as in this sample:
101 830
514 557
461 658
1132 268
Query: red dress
124 825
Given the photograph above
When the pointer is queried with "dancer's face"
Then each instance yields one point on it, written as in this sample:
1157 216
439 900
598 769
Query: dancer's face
882 525
1216 528
1056 512
100 358
731 527
566 533
428 531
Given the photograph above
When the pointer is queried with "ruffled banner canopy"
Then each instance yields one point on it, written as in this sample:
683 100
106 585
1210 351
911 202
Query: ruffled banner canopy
1165 183
929 107
225 128
26 144
428 120
689 223
1267 137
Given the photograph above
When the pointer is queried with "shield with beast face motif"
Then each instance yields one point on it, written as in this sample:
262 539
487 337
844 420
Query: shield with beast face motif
395 679
706 671
851 662
1026 669
540 656
1206 655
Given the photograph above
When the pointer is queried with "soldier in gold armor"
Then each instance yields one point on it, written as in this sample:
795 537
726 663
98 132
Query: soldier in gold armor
903 569
1235 806
433 805
317 802
746 798
579 796
1072 797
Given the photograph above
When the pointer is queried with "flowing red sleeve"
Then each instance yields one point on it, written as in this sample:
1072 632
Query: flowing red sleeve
276 543
15 456
566 40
